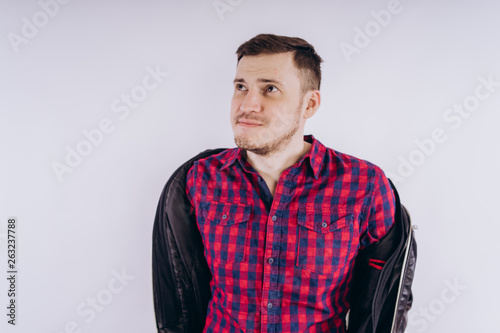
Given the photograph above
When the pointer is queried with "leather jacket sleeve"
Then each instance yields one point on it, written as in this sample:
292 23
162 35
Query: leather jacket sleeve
181 276
381 295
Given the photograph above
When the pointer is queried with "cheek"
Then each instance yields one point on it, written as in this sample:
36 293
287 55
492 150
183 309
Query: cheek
236 100
235 105
233 112
282 117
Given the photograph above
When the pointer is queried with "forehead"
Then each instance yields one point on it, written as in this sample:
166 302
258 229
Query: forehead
278 66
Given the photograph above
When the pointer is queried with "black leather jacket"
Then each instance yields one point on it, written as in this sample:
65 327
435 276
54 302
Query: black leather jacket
380 298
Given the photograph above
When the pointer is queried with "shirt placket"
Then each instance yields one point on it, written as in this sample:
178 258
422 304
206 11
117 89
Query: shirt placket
271 298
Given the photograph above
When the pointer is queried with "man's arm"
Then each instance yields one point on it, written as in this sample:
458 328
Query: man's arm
380 212
382 265
171 282
166 300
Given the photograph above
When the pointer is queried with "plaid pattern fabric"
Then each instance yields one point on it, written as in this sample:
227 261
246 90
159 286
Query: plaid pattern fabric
284 264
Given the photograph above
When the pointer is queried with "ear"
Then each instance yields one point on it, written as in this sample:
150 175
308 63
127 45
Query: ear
312 99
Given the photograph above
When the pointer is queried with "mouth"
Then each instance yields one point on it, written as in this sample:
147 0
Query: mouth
248 124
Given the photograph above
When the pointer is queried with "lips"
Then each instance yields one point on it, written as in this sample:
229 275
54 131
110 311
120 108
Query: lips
248 122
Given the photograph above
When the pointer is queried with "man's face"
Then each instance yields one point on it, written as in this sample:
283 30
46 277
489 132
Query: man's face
267 91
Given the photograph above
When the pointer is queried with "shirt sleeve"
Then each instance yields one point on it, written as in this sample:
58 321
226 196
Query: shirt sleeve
380 215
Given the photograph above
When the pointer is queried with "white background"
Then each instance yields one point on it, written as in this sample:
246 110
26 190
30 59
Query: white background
77 233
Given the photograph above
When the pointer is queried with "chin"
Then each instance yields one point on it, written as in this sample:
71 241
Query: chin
245 142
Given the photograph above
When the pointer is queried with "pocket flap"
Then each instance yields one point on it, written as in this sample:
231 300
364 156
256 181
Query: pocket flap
325 219
228 213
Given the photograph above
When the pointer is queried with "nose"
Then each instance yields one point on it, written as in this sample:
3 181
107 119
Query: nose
251 102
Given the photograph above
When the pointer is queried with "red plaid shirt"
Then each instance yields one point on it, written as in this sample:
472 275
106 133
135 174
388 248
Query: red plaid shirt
284 264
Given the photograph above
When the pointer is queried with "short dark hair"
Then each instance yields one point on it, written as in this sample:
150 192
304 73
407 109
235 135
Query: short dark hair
305 57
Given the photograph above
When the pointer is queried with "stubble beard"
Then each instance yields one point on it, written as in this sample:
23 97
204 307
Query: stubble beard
271 146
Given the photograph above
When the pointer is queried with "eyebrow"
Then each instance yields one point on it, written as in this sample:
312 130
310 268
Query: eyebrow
260 80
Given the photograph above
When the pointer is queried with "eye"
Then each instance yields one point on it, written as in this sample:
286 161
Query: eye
271 87
240 87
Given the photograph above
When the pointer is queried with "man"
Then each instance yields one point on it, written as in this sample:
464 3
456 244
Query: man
282 217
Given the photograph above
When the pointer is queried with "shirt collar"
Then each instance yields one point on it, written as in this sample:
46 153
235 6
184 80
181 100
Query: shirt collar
316 155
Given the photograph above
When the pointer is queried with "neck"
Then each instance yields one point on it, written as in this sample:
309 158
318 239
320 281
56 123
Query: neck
272 165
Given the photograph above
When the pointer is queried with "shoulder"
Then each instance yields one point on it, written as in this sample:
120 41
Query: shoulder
212 162
354 165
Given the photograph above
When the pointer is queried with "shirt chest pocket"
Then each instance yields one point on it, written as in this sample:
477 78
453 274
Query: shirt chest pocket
324 238
226 229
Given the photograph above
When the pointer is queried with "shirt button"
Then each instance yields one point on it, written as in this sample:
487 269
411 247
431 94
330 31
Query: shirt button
324 225
224 216
270 260
269 305
274 218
